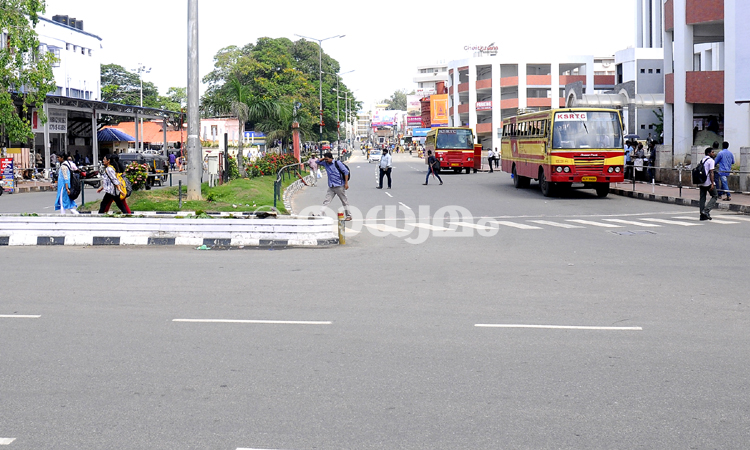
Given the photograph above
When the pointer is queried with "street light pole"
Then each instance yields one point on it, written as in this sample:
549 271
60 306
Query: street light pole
140 70
320 75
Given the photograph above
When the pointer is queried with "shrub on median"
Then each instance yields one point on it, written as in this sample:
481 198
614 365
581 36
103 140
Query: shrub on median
268 164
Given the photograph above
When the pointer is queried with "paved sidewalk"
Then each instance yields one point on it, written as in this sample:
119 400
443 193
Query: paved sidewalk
671 194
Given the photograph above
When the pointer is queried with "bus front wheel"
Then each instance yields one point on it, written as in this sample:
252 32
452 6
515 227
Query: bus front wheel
602 190
468 170
519 182
544 185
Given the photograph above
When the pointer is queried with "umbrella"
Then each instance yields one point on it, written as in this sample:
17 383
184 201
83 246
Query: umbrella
113 135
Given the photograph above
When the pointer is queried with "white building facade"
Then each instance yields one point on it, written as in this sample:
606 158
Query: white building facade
484 90
78 70
428 76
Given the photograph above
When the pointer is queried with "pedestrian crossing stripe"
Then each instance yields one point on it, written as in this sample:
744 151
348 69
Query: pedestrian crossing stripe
633 222
427 226
472 225
723 222
515 225
674 222
595 224
556 224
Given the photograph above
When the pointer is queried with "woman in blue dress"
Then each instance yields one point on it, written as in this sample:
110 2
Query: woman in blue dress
63 202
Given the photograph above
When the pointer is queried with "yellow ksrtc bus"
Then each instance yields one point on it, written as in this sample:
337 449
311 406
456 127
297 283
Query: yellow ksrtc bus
560 147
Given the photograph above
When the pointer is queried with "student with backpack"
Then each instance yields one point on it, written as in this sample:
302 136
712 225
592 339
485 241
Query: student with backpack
112 185
64 185
708 186
338 181
433 168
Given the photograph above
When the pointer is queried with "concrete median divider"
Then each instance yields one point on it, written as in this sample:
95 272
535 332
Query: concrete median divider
168 229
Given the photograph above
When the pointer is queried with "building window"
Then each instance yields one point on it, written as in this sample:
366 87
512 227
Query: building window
643 70
643 127
650 70
56 53
658 70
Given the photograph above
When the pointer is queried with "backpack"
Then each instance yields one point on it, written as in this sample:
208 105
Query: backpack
125 185
435 164
75 184
342 172
699 173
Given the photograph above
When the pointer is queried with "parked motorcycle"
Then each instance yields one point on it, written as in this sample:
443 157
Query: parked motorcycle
90 177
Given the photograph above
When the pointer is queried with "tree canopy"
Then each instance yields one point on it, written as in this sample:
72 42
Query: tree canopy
124 87
25 70
397 100
283 72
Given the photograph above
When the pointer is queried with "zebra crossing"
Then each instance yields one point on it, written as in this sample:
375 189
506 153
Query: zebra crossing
402 227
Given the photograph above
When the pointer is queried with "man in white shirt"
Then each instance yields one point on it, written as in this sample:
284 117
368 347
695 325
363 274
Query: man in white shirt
385 168
490 158
708 186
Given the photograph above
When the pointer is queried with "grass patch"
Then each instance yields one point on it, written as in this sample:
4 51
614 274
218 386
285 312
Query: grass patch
248 194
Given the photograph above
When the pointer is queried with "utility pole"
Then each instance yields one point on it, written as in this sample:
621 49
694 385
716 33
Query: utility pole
195 164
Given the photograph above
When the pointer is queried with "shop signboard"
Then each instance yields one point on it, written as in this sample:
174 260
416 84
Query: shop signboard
413 111
6 175
484 106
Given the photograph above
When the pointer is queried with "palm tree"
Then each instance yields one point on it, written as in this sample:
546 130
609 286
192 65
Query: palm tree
279 127
246 106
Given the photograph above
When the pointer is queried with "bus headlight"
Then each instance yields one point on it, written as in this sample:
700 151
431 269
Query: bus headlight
566 169
618 169
559 169
611 169
469 159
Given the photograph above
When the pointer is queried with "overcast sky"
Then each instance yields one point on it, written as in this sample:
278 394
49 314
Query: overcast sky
384 41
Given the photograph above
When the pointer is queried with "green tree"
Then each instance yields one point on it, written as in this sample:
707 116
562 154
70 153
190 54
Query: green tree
397 100
25 72
124 87
175 99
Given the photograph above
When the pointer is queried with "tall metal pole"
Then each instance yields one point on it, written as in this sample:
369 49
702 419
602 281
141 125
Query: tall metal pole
338 120
320 89
195 165
136 124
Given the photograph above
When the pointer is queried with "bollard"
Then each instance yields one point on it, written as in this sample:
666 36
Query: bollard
679 182
179 193
342 228
83 193
653 186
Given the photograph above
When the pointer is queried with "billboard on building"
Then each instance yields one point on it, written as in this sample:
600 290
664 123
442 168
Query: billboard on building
384 118
742 53
439 110
413 111
420 132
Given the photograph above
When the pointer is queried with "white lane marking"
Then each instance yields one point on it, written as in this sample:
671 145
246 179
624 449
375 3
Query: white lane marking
595 224
727 216
6 441
270 322
389 194
383 228
633 222
472 225
16 316
427 226
402 204
716 220
555 224
515 225
557 327
675 222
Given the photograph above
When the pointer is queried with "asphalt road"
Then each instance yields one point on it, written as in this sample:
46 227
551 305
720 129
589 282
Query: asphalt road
376 343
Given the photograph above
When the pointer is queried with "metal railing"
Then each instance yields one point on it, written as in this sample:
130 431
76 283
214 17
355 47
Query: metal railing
288 171
648 175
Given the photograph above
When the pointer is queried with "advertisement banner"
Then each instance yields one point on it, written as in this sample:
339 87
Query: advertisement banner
484 106
383 118
6 174
420 132
413 111
412 121
439 110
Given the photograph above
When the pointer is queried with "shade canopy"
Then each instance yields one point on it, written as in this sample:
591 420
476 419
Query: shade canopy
113 135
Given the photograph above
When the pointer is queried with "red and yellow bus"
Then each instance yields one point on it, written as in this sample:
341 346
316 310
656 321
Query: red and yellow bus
560 147
455 149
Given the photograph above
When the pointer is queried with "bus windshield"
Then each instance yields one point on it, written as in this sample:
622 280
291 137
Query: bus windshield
587 129
458 139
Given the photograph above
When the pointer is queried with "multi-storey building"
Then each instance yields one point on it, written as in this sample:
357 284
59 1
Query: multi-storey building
428 76
484 90
78 69
364 121
701 73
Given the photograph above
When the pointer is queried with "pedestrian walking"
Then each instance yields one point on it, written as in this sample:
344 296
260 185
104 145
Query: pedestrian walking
724 161
497 159
338 181
110 184
313 170
63 201
490 158
433 168
709 186
385 168
628 159
172 160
